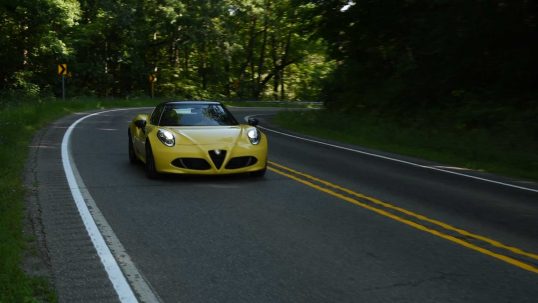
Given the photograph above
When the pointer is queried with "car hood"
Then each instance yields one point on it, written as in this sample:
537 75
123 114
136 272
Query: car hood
207 135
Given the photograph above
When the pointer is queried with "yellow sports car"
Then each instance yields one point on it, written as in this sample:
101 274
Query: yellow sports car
196 137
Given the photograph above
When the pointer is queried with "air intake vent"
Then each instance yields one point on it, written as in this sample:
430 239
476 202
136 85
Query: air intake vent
240 162
191 163
217 156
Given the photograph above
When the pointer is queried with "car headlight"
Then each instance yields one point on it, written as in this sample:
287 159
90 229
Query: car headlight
254 136
166 137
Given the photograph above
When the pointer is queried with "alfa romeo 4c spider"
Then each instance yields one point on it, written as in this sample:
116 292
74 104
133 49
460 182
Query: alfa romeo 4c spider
196 137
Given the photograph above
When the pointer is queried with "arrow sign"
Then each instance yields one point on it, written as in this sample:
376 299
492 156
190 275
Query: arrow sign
62 69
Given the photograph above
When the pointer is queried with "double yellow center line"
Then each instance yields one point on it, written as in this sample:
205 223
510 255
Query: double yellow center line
509 254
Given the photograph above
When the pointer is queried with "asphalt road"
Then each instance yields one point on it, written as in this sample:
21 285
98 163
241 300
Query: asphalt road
324 225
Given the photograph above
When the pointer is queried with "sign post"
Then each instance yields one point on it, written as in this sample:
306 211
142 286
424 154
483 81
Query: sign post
62 71
152 79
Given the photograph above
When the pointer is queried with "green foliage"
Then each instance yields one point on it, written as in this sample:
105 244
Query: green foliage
15 133
32 35
197 49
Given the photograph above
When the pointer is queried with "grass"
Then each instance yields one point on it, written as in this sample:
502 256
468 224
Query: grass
503 153
18 123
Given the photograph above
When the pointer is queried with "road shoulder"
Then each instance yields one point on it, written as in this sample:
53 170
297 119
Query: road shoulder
64 251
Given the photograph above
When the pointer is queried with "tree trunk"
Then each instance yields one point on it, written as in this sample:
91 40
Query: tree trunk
284 60
250 54
261 62
276 80
186 62
203 70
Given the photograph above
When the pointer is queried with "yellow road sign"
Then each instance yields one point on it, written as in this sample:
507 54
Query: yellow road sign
152 78
62 69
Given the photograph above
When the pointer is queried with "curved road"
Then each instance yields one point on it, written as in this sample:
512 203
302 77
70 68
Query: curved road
325 225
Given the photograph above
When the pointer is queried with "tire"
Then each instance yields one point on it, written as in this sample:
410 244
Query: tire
151 171
132 156
259 173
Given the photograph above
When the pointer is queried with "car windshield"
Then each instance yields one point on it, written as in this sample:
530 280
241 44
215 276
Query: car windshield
196 115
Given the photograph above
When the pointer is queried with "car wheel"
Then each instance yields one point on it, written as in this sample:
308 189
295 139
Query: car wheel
132 156
151 172
259 173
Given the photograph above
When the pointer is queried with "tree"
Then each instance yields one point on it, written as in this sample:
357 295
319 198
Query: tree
408 56
32 44
250 49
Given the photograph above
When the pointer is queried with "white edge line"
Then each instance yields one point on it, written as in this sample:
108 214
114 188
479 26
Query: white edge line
140 285
120 284
393 159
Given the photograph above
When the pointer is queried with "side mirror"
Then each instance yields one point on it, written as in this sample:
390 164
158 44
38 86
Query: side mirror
140 123
253 122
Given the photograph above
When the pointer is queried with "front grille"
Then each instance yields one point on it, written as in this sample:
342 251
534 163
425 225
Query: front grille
240 162
191 163
218 157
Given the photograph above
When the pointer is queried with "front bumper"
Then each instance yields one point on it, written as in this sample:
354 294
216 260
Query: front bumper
213 159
